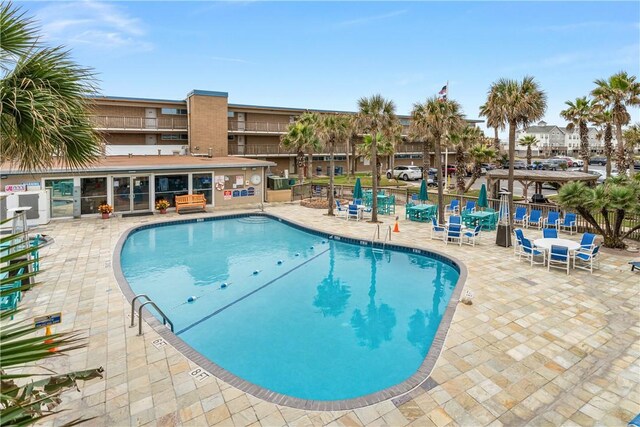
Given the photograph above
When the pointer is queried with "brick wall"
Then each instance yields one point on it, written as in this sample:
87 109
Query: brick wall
208 124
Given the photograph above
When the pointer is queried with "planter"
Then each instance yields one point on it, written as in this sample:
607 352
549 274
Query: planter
163 211
105 216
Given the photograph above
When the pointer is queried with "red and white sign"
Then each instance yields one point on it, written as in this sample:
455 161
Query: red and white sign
227 194
14 188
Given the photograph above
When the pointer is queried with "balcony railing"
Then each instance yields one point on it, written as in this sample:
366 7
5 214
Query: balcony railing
139 123
277 149
258 127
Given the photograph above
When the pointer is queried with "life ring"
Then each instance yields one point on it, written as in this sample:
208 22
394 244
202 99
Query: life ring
219 186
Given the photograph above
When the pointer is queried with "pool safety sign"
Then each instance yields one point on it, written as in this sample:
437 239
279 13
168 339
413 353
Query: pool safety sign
48 319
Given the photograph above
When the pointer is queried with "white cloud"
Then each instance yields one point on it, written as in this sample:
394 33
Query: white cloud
226 59
367 19
104 26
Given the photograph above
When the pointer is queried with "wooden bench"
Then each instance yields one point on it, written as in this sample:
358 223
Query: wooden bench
190 201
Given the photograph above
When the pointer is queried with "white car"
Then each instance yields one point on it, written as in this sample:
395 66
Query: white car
405 173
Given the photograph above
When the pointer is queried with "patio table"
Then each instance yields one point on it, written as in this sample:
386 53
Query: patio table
481 216
421 213
545 244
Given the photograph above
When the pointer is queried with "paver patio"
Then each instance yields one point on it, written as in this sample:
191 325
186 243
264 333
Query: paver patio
536 347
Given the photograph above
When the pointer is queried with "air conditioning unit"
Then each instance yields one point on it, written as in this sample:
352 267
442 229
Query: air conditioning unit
231 137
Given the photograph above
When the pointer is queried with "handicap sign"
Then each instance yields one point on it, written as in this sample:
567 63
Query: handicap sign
47 319
243 193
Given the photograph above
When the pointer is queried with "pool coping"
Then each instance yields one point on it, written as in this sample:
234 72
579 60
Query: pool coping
417 379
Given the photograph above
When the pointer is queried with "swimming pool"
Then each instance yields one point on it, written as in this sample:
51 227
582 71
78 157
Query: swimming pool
295 312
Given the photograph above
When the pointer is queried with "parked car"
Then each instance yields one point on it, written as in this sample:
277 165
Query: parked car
598 161
519 164
555 164
405 173
488 166
599 174
567 160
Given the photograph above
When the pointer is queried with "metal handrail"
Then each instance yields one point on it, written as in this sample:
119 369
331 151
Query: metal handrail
165 318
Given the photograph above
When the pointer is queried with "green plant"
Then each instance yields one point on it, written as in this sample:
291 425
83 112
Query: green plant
162 204
105 208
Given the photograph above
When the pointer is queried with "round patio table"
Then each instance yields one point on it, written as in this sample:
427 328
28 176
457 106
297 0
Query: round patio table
547 243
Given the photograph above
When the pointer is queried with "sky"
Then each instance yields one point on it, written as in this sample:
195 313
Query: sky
327 55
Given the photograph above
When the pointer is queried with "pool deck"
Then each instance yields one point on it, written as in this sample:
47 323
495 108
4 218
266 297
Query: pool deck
536 347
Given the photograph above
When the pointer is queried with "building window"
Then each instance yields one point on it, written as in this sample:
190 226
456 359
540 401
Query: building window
202 185
174 111
231 114
93 191
170 186
174 137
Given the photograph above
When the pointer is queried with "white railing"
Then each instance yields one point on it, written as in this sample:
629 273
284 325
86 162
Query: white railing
139 123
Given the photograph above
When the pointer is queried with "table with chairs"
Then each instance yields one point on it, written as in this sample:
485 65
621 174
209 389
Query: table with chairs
421 212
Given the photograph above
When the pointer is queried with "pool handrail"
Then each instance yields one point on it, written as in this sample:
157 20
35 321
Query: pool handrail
165 318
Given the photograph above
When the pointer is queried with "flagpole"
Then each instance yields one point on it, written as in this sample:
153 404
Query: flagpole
446 150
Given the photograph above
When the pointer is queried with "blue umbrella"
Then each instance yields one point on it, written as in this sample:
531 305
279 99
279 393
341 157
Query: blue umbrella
357 190
482 198
423 191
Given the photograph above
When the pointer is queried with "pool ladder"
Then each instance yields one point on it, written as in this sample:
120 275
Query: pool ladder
376 236
165 319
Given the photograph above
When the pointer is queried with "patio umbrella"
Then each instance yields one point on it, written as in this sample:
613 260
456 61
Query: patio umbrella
482 198
357 190
423 191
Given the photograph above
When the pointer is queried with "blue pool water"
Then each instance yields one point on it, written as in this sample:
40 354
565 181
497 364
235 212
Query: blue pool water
332 321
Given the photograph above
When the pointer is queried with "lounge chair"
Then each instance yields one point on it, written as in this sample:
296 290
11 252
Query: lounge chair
569 223
559 258
535 219
552 219
453 233
584 259
530 252
520 216
635 265
549 233
471 236
437 231
453 208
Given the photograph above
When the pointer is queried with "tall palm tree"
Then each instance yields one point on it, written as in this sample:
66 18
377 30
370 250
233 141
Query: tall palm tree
515 103
479 153
632 141
44 107
385 147
438 118
301 136
332 129
492 112
421 135
528 141
579 114
461 141
376 115
618 92
603 118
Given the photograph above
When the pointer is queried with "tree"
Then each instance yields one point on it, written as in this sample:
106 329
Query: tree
44 100
332 129
632 141
494 119
617 93
514 103
425 139
376 115
479 153
612 200
438 118
603 118
528 141
461 141
579 114
301 136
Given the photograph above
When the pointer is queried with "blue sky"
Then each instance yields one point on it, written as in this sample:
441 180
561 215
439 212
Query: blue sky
327 55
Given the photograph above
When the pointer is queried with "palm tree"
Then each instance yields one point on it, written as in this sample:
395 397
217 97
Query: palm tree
438 118
632 141
421 135
479 153
301 136
44 100
332 129
515 103
528 141
461 141
385 147
617 93
579 114
376 115
603 118
492 112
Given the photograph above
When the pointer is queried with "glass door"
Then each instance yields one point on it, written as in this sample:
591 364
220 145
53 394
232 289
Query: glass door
61 197
130 193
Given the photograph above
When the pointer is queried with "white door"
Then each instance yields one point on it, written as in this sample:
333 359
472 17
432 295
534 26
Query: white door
150 121
151 139
240 144
240 121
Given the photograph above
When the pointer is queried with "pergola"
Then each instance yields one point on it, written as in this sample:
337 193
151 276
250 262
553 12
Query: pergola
528 177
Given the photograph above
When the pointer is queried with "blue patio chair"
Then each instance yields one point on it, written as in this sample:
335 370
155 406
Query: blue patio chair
530 252
437 231
520 217
535 219
471 236
569 223
549 233
357 202
453 208
552 219
414 197
559 258
453 233
584 259
587 242
341 210
455 219
10 301
470 206
519 235
352 212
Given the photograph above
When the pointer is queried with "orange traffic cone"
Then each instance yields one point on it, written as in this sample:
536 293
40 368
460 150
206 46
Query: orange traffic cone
47 332
396 228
